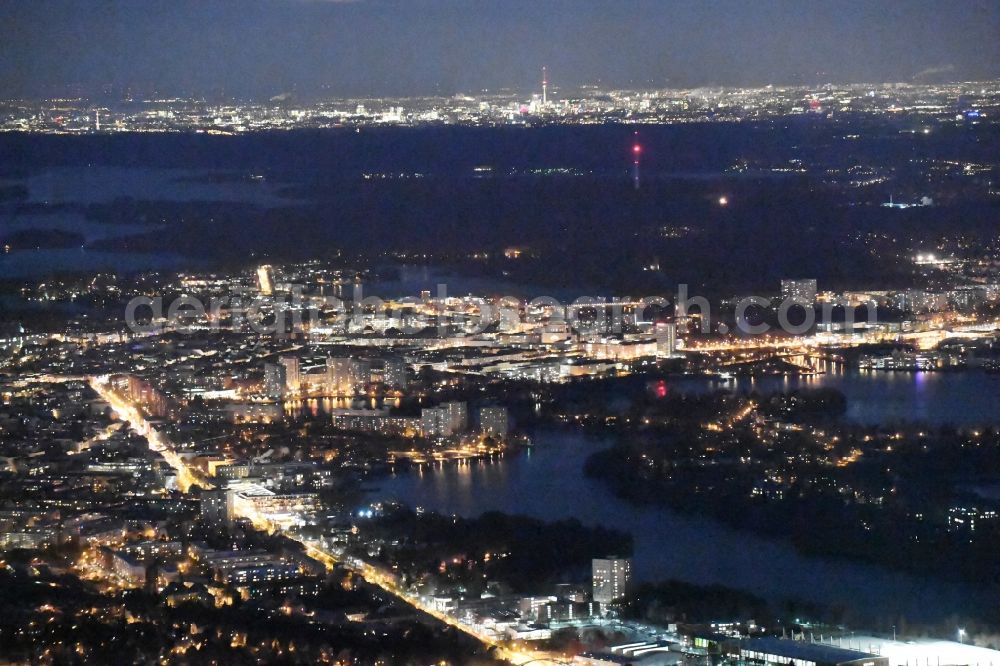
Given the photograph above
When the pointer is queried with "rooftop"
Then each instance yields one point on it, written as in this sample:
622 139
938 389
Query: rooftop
815 652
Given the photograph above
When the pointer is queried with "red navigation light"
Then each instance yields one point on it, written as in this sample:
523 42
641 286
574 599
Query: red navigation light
637 149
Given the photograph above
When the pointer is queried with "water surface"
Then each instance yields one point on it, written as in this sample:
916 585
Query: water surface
547 482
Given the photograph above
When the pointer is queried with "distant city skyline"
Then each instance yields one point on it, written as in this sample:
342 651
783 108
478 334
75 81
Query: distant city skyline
332 48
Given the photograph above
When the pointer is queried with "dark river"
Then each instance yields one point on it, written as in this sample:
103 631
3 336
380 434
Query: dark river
547 482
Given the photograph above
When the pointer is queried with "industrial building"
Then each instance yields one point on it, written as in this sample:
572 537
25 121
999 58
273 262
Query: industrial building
775 651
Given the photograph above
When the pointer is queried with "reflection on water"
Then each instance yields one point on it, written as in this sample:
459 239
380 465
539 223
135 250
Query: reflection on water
874 397
315 407
547 482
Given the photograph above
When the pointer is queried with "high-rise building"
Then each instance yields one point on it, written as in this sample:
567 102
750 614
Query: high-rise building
434 422
458 416
275 380
802 291
361 373
918 301
346 376
218 507
293 374
394 374
666 339
494 422
265 279
338 376
612 579
445 420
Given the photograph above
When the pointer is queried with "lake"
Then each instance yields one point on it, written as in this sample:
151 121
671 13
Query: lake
547 482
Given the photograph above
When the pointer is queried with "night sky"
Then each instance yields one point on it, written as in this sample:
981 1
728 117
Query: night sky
259 48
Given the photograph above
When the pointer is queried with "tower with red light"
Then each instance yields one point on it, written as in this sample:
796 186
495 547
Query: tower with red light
636 152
